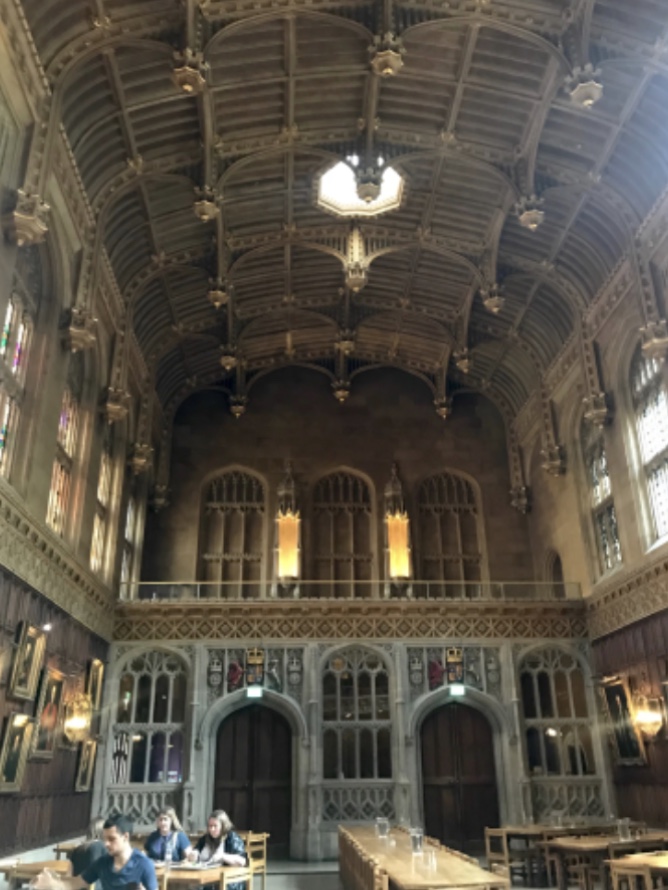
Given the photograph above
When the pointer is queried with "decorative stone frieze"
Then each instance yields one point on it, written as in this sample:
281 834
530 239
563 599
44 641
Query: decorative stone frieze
634 597
346 619
596 409
520 499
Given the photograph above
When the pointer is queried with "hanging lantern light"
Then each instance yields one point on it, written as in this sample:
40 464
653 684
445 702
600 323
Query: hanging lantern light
647 714
288 523
397 525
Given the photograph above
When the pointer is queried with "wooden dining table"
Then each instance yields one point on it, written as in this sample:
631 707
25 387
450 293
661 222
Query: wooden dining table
423 871
593 850
19 873
648 867
199 875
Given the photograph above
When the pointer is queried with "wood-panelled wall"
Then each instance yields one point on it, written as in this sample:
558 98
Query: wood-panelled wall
640 653
47 808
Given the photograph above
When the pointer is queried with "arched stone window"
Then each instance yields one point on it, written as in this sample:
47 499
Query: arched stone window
601 503
15 340
67 440
650 405
148 733
558 736
357 737
342 548
233 536
449 538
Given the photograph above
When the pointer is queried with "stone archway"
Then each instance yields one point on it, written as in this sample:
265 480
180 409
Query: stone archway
459 783
253 773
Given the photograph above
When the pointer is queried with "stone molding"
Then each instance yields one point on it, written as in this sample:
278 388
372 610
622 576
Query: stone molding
632 597
265 620
35 555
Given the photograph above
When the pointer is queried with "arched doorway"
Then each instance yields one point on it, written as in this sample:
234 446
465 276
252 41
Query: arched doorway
458 776
253 779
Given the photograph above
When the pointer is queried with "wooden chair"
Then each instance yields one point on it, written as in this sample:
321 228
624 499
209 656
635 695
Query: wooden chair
512 863
256 847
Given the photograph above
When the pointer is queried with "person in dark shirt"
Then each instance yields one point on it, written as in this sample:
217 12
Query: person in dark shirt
121 866
91 849
168 843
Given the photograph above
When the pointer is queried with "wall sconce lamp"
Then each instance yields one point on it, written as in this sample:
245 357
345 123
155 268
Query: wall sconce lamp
397 525
647 714
288 522
78 717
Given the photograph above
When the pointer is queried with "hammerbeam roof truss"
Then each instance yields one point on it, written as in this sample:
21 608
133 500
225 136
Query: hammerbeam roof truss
477 118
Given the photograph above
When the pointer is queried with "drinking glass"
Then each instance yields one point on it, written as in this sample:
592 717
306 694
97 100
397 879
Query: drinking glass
417 836
382 827
624 829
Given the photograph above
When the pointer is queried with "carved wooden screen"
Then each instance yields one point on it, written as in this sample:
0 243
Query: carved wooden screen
342 550
558 740
233 536
449 539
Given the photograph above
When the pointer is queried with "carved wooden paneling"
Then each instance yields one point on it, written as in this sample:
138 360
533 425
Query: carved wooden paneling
640 654
47 807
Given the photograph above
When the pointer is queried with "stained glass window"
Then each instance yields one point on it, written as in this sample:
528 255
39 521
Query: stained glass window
600 493
62 465
651 412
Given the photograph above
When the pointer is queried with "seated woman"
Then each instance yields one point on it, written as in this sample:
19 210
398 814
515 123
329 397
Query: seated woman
168 842
221 845
91 849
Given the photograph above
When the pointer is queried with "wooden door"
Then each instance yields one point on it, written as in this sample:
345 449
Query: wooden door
459 779
254 773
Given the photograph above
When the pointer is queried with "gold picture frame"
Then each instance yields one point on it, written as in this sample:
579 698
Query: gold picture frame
31 643
14 751
86 766
48 715
94 683
627 739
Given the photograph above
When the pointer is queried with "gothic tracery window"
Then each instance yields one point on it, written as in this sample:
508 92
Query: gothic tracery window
14 343
342 549
148 732
63 464
650 403
602 506
102 504
357 735
449 537
233 536
557 729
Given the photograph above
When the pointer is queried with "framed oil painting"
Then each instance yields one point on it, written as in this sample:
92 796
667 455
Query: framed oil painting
628 744
94 683
48 715
86 766
27 662
14 751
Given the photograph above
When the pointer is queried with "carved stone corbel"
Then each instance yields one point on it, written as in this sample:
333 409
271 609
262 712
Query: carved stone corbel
160 498
552 453
357 263
29 222
597 410
117 405
79 329
142 458
520 499
655 338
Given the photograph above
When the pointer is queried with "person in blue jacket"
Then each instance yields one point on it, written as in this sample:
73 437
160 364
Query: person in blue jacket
168 843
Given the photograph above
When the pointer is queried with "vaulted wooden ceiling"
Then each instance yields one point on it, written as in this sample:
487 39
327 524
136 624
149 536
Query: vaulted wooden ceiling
478 118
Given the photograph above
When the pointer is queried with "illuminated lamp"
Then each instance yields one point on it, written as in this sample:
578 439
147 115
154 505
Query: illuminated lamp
78 716
397 525
647 714
288 522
